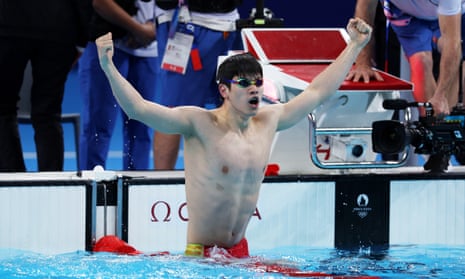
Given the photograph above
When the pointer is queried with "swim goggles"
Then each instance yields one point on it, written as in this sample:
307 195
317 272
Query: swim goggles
244 83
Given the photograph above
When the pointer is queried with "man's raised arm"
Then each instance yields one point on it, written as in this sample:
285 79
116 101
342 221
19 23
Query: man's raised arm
127 96
134 105
327 82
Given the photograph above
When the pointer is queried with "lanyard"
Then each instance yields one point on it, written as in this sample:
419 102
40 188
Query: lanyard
175 19
188 28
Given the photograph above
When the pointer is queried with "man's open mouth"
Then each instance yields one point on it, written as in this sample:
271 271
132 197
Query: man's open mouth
253 101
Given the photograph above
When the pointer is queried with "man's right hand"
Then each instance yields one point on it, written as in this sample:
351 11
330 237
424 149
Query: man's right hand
105 50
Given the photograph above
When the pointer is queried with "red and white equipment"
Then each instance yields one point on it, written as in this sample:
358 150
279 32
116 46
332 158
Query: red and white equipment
339 130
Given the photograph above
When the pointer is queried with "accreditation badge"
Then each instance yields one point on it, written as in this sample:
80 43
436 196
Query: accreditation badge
179 45
177 51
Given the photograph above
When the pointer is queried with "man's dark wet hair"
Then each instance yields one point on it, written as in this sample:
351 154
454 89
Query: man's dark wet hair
241 65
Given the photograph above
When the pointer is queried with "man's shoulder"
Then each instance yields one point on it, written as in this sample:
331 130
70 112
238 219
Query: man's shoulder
198 114
270 109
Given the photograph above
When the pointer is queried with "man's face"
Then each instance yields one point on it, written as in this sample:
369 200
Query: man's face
246 93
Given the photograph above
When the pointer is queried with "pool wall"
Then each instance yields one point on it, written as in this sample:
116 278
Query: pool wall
47 216
57 213
401 208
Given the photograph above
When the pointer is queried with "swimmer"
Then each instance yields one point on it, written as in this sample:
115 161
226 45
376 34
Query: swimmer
226 149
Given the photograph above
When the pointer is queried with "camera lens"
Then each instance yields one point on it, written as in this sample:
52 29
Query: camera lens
388 137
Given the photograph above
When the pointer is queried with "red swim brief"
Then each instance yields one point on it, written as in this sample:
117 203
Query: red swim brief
240 250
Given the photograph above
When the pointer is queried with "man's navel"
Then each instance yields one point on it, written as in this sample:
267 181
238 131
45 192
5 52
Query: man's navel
219 187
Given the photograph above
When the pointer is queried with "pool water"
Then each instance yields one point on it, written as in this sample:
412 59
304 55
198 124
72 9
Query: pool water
398 262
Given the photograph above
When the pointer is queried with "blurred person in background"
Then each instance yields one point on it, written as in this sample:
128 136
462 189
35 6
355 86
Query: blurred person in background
210 28
132 24
44 34
422 27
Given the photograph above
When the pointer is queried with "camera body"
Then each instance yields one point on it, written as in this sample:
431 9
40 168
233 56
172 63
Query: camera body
429 135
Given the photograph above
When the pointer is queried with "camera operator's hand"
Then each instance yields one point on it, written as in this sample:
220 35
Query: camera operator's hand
440 105
363 73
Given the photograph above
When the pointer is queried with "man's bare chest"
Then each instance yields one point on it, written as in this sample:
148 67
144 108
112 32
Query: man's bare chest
240 156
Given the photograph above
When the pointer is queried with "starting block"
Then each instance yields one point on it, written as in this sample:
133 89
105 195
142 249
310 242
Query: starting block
339 130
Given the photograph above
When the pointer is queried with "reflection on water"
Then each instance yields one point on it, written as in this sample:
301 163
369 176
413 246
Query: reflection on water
398 262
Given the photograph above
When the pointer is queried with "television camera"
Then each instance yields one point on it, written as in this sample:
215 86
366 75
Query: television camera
438 137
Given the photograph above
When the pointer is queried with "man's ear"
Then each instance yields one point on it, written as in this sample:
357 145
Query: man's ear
223 90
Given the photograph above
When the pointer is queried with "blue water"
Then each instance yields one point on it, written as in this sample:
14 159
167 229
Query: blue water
399 262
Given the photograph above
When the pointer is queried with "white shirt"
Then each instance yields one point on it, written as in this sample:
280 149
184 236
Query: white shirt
430 9
216 21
